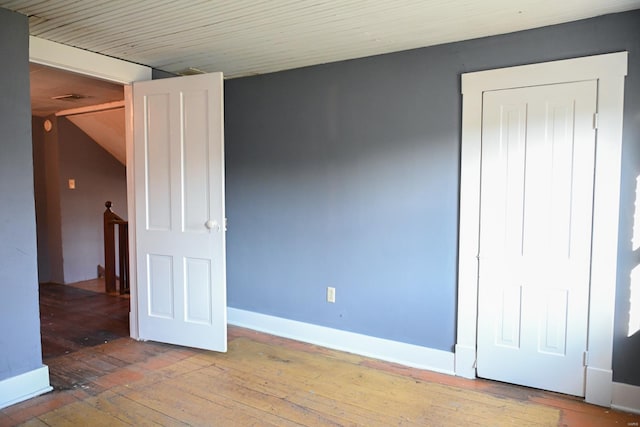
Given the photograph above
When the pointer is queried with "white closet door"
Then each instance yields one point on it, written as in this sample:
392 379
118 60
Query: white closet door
538 146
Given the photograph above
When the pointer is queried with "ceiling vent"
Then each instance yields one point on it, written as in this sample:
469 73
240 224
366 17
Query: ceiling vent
191 71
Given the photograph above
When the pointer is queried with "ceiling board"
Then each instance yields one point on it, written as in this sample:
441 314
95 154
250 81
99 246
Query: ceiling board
244 37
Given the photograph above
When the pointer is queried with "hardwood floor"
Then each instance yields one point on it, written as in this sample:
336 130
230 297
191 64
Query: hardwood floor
263 381
74 317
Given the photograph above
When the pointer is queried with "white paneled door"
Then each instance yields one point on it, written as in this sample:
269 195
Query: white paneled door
179 197
538 146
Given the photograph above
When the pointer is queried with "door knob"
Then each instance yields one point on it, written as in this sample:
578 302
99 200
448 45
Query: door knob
210 224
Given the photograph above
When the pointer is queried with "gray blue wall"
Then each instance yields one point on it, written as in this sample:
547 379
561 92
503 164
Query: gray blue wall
70 221
39 185
47 199
20 319
347 175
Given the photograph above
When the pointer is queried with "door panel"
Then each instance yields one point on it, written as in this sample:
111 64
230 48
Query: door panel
161 293
538 147
197 293
157 164
179 155
509 318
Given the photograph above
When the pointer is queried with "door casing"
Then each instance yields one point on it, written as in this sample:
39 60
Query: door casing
609 70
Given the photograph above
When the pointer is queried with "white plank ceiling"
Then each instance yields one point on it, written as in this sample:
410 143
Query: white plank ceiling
245 37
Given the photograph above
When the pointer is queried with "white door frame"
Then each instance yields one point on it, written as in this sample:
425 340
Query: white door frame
103 67
609 70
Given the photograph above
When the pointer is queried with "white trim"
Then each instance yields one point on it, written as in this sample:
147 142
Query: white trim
626 398
364 345
609 70
599 385
80 61
24 386
91 108
102 67
131 213
465 361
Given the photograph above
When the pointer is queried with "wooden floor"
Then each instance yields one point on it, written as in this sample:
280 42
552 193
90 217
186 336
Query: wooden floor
262 381
74 317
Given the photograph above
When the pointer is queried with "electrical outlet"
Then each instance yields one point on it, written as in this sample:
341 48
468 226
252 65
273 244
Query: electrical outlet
331 294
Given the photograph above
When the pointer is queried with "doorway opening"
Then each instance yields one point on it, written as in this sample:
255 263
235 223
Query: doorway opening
78 128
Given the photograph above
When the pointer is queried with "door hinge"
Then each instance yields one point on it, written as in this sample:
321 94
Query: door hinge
585 358
595 120
225 224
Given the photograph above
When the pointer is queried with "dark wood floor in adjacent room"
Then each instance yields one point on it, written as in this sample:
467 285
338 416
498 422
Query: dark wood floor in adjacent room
101 377
79 316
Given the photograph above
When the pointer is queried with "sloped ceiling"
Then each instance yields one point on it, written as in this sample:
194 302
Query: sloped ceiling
106 128
244 37
76 93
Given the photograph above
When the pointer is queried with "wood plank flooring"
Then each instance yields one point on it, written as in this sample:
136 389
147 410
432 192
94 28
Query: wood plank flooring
270 381
74 317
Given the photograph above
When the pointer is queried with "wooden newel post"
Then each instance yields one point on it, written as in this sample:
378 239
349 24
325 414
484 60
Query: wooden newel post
110 220
109 249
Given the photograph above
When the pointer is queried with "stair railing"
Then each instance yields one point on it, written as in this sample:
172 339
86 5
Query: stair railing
111 220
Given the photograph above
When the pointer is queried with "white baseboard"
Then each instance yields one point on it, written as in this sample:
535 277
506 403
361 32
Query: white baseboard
626 398
364 345
24 386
